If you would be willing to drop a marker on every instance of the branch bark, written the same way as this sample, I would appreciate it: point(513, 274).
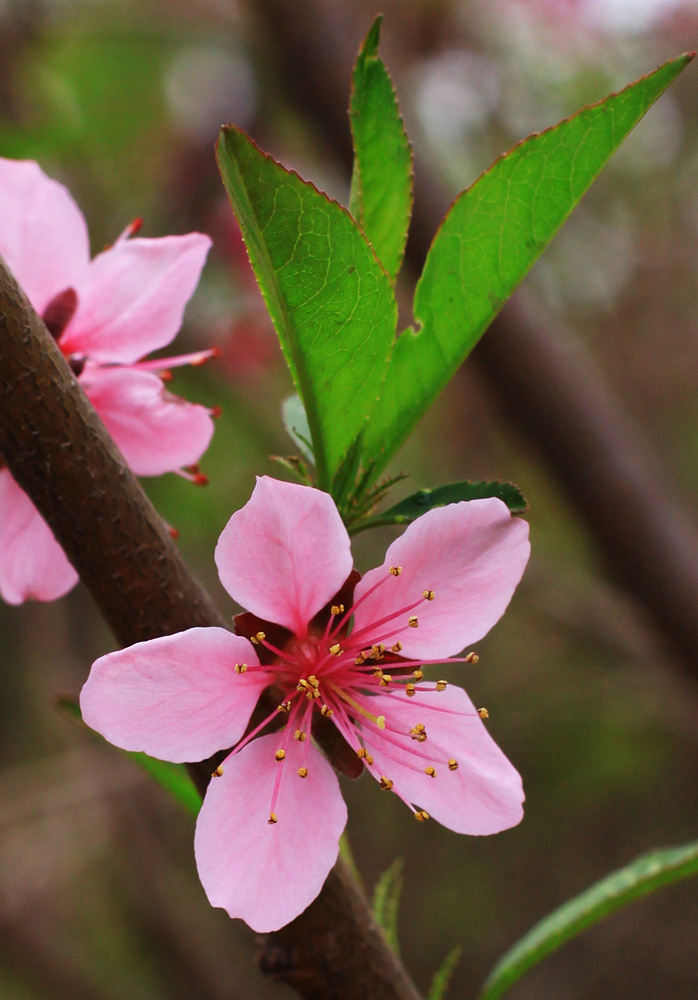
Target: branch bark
point(545, 379)
point(59, 452)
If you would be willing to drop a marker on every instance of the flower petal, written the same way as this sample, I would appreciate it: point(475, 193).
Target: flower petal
point(155, 431)
point(484, 795)
point(43, 236)
point(32, 563)
point(471, 554)
point(131, 300)
point(178, 697)
point(267, 873)
point(285, 554)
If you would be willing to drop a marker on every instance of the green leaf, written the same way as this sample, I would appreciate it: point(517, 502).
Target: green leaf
point(491, 236)
point(381, 183)
point(386, 900)
point(296, 424)
point(172, 777)
point(330, 299)
point(641, 877)
point(419, 503)
point(442, 977)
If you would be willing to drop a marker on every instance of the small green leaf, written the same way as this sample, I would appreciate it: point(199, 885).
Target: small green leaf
point(330, 299)
point(296, 424)
point(442, 977)
point(489, 239)
point(419, 503)
point(641, 877)
point(381, 183)
point(386, 900)
point(172, 777)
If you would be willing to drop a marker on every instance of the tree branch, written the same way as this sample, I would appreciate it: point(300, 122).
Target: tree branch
point(59, 452)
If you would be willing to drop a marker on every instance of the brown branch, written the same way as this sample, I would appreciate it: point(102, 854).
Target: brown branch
point(558, 400)
point(59, 452)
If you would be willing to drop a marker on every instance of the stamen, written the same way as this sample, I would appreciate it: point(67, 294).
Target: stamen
point(240, 668)
point(428, 595)
point(472, 658)
point(421, 816)
point(272, 819)
point(257, 638)
point(418, 675)
point(302, 772)
point(418, 732)
point(161, 365)
point(431, 771)
point(336, 609)
point(385, 783)
point(218, 773)
point(285, 706)
point(326, 711)
point(441, 685)
point(396, 570)
point(483, 713)
point(280, 755)
point(378, 719)
point(336, 650)
point(453, 764)
point(396, 647)
point(300, 735)
point(410, 690)
point(413, 621)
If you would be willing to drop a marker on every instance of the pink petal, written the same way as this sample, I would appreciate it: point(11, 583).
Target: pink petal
point(264, 873)
point(32, 563)
point(155, 431)
point(285, 554)
point(484, 795)
point(43, 235)
point(131, 300)
point(178, 697)
point(471, 554)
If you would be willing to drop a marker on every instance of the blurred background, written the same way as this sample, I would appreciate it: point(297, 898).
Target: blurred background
point(588, 692)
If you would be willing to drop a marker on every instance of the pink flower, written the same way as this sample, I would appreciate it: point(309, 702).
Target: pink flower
point(268, 831)
point(105, 314)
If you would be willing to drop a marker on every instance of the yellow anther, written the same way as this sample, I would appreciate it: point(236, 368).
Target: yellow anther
point(385, 680)
point(369, 759)
point(362, 753)
point(377, 652)
point(410, 690)
point(336, 650)
point(302, 685)
point(483, 713)
point(272, 819)
point(313, 694)
point(300, 735)
point(336, 609)
point(421, 816)
point(280, 754)
point(326, 711)
point(453, 764)
point(431, 771)
point(218, 773)
point(418, 675)
point(240, 668)
point(386, 783)
point(472, 658)
point(313, 681)
point(360, 660)
point(418, 732)
point(396, 647)
point(302, 772)
point(285, 706)
point(380, 721)
point(428, 595)
point(441, 685)
point(259, 637)
point(396, 570)
point(377, 671)
point(413, 621)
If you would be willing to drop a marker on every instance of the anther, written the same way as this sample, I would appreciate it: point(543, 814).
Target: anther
point(453, 765)
point(428, 595)
point(377, 672)
point(259, 637)
point(385, 680)
point(418, 732)
point(413, 621)
point(377, 652)
point(396, 570)
point(418, 675)
point(336, 650)
point(285, 706)
point(431, 771)
point(336, 609)
point(302, 772)
point(302, 685)
point(421, 816)
point(410, 690)
point(483, 713)
point(326, 711)
point(396, 647)
point(472, 658)
point(362, 753)
point(360, 660)
point(299, 735)
point(313, 681)
point(280, 754)
point(218, 773)
point(441, 685)
point(386, 783)
point(272, 819)
point(240, 668)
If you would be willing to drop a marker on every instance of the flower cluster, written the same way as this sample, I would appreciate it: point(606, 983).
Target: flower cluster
point(332, 647)
point(106, 314)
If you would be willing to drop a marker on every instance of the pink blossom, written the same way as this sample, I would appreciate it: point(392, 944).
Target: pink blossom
point(106, 314)
point(268, 831)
